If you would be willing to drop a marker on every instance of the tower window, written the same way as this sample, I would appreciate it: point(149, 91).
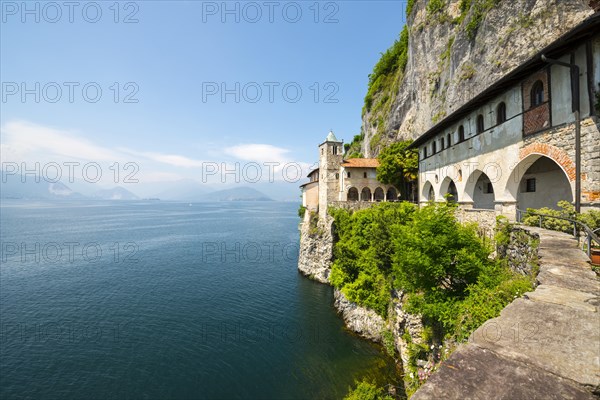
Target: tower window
point(334, 150)
point(449, 140)
point(337, 176)
point(537, 94)
point(433, 147)
point(501, 113)
point(348, 174)
point(461, 133)
point(365, 174)
point(442, 147)
point(425, 152)
point(480, 124)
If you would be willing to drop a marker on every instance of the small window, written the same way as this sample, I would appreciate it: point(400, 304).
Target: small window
point(489, 188)
point(348, 174)
point(461, 133)
point(537, 94)
point(433, 147)
point(334, 150)
point(448, 140)
point(530, 185)
point(321, 151)
point(442, 144)
point(480, 124)
point(425, 152)
point(337, 176)
point(501, 113)
point(364, 174)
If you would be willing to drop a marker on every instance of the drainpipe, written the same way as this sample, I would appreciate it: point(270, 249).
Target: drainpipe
point(575, 106)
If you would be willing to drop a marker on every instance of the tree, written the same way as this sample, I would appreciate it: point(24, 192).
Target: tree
point(399, 166)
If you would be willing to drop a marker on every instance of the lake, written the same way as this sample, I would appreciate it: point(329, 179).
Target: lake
point(156, 300)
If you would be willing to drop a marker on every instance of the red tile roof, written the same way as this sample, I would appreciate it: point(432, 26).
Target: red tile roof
point(361, 163)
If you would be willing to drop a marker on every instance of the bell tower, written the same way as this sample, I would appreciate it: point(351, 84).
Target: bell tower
point(330, 160)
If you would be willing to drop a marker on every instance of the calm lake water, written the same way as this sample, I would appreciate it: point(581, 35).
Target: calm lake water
point(155, 300)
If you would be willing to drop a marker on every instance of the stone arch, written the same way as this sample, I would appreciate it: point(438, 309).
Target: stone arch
point(365, 194)
point(554, 153)
point(428, 192)
point(352, 194)
point(378, 194)
point(449, 187)
point(539, 181)
point(391, 194)
point(480, 189)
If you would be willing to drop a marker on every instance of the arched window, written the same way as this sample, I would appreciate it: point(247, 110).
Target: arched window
point(501, 113)
point(448, 140)
point(480, 124)
point(461, 133)
point(537, 94)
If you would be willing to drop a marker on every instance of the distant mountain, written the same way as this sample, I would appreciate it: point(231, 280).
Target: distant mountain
point(116, 193)
point(30, 187)
point(237, 194)
point(182, 190)
point(15, 186)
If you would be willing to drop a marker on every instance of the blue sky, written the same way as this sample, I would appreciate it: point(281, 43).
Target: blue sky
point(175, 61)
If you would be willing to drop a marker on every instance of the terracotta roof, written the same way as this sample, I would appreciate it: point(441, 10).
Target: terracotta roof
point(361, 163)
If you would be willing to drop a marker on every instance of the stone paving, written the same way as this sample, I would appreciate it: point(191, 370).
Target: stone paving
point(545, 345)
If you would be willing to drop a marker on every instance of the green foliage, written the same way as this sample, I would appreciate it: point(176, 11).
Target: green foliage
point(409, 7)
point(367, 391)
point(363, 255)
point(388, 342)
point(591, 217)
point(567, 210)
point(353, 148)
point(398, 165)
point(392, 61)
point(435, 6)
point(443, 267)
point(436, 256)
point(503, 229)
point(498, 287)
point(301, 211)
point(480, 9)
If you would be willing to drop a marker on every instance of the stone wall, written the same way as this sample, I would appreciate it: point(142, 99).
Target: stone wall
point(521, 251)
point(485, 220)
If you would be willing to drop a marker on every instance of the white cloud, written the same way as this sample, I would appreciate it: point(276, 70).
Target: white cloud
point(258, 152)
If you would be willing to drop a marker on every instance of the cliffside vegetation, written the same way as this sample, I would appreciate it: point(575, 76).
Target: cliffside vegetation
point(443, 268)
point(399, 166)
point(389, 72)
point(591, 218)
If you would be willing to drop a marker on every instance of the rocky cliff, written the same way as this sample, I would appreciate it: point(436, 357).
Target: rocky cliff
point(454, 50)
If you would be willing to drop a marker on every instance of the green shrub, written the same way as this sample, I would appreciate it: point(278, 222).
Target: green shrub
point(367, 391)
point(388, 342)
point(301, 211)
point(567, 210)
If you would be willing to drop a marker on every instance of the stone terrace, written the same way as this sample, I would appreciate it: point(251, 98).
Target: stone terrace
point(543, 346)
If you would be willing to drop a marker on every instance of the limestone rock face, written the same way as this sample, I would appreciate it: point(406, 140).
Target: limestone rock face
point(366, 322)
point(316, 247)
point(405, 322)
point(447, 65)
